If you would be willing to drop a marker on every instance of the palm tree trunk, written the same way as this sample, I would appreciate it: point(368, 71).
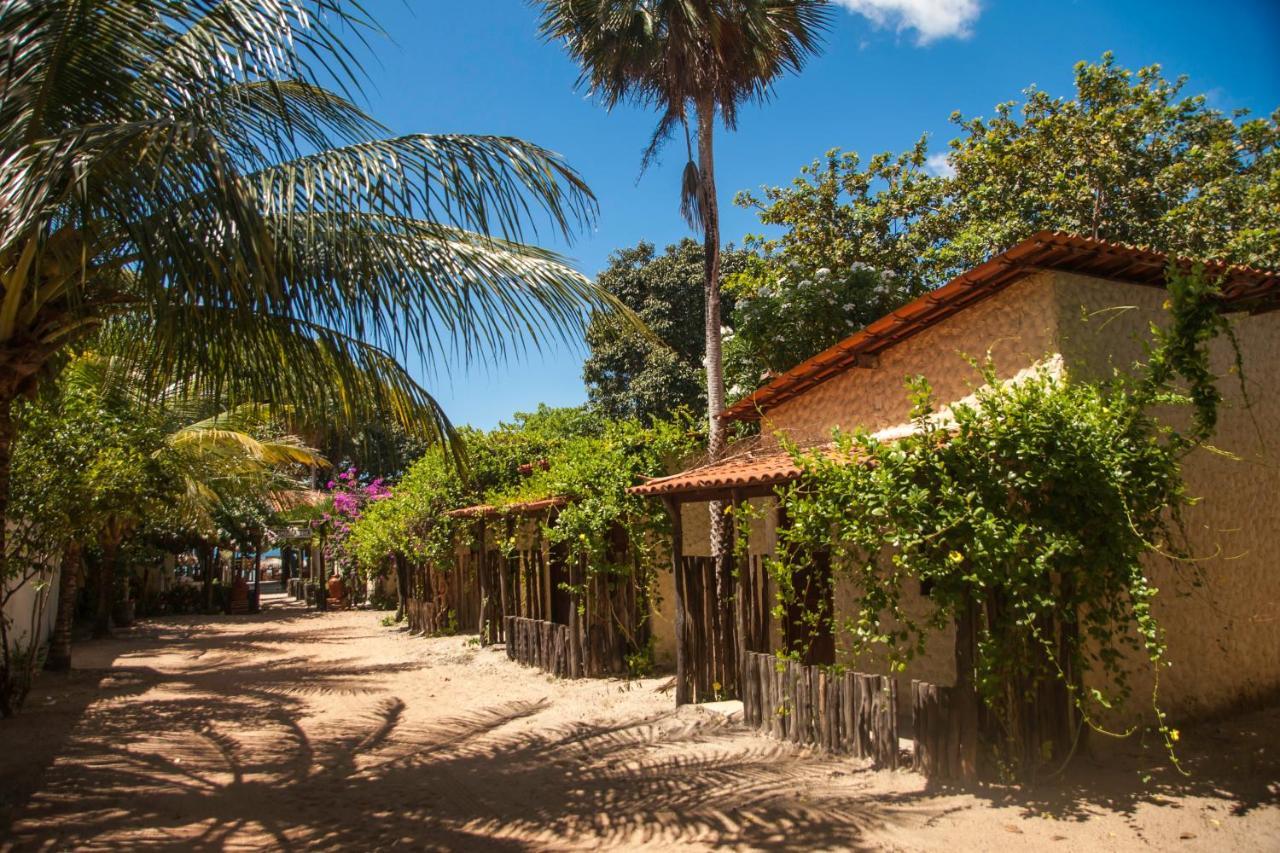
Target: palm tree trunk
point(711, 280)
point(724, 641)
point(59, 659)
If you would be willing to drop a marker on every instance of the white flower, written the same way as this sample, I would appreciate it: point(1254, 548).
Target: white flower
point(736, 390)
point(890, 274)
point(848, 306)
point(822, 273)
point(859, 266)
point(806, 283)
point(726, 331)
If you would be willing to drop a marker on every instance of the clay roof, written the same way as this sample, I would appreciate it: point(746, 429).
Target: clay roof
point(489, 510)
point(1244, 289)
point(750, 472)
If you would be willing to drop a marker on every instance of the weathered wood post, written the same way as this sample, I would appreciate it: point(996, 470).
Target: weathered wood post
point(482, 578)
point(966, 692)
point(677, 566)
point(504, 572)
point(739, 572)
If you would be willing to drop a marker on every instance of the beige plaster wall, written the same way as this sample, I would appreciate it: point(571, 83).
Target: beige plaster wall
point(1016, 328)
point(936, 665)
point(663, 615)
point(1221, 613)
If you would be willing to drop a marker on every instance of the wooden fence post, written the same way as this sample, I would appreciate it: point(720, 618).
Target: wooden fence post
point(966, 692)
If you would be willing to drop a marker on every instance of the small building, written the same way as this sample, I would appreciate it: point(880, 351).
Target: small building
point(1053, 302)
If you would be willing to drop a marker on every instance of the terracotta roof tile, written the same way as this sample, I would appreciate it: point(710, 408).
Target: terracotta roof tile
point(1244, 289)
point(754, 468)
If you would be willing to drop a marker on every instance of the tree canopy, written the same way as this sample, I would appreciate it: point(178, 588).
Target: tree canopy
point(631, 374)
point(1130, 157)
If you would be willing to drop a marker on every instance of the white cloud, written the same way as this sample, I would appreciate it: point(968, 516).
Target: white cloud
point(931, 19)
point(940, 165)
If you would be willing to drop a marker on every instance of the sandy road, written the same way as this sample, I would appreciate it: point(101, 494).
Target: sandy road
point(297, 730)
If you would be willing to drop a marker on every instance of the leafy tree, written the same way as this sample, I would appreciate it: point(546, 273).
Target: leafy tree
point(411, 521)
point(1129, 158)
point(782, 316)
point(631, 374)
point(495, 458)
point(194, 177)
point(100, 462)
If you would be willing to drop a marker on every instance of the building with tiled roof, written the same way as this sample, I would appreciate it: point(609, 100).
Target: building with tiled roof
point(1054, 302)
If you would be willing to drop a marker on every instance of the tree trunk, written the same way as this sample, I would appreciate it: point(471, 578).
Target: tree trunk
point(722, 629)
point(711, 279)
point(106, 586)
point(7, 432)
point(206, 580)
point(257, 576)
point(401, 566)
point(7, 664)
point(59, 659)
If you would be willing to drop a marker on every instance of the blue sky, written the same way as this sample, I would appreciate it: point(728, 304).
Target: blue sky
point(891, 70)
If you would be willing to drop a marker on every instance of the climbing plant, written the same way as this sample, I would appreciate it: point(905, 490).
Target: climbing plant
point(594, 473)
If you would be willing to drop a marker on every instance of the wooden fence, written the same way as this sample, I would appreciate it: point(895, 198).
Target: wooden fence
point(710, 676)
point(546, 645)
point(848, 713)
point(945, 733)
point(444, 599)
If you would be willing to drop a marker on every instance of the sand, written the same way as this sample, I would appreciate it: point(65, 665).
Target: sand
point(295, 730)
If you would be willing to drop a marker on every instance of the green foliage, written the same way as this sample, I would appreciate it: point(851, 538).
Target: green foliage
point(1129, 158)
point(1037, 504)
point(784, 313)
point(196, 176)
point(494, 458)
point(87, 458)
point(594, 473)
point(631, 374)
point(412, 520)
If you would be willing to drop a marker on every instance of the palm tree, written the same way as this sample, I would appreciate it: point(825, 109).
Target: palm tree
point(177, 174)
point(699, 59)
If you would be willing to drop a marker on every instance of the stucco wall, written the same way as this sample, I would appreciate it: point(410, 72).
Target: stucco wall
point(1016, 328)
point(663, 615)
point(32, 609)
point(1221, 613)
